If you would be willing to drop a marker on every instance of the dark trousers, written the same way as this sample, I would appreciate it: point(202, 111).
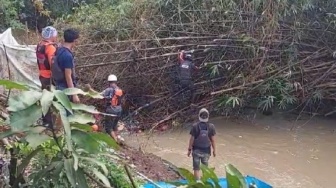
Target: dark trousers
point(46, 83)
point(188, 85)
point(111, 122)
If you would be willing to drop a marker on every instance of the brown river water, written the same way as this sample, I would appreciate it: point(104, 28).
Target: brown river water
point(265, 148)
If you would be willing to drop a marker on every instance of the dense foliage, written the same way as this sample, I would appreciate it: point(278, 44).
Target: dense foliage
point(68, 155)
point(260, 54)
point(37, 14)
point(264, 54)
point(210, 180)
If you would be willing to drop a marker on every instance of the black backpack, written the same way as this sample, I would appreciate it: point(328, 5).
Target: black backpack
point(57, 73)
point(199, 128)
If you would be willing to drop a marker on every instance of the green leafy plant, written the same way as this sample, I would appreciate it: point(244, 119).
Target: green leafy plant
point(69, 144)
point(278, 92)
point(229, 105)
point(105, 18)
point(234, 178)
point(210, 180)
point(9, 13)
point(119, 177)
point(230, 102)
point(234, 102)
point(267, 103)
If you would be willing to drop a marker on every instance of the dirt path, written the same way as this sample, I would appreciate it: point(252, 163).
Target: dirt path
point(150, 165)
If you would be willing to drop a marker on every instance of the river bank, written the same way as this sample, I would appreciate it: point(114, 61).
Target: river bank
point(266, 148)
point(148, 165)
point(279, 149)
point(152, 166)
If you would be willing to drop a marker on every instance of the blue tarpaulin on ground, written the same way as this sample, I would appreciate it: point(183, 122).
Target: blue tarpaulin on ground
point(222, 182)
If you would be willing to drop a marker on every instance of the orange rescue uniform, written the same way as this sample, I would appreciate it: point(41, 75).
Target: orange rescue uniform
point(45, 52)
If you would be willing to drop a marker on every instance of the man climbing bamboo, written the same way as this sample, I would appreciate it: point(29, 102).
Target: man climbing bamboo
point(45, 52)
point(186, 66)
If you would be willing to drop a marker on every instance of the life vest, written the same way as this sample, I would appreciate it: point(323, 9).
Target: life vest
point(42, 59)
point(117, 97)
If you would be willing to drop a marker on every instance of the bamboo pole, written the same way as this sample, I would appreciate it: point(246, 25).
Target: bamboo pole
point(146, 40)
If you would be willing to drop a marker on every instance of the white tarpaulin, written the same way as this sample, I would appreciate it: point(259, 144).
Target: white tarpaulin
point(17, 62)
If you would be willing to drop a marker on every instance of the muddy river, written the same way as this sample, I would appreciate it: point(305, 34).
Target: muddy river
point(266, 148)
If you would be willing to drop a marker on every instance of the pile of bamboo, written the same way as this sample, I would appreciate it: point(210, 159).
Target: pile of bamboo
point(238, 59)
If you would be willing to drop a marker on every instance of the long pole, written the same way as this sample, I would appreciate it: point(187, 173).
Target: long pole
point(130, 176)
point(9, 72)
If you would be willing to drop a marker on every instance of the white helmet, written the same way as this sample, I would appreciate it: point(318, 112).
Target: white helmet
point(49, 32)
point(112, 78)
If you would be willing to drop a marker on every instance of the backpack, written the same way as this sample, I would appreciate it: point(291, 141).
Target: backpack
point(56, 71)
point(199, 129)
point(117, 97)
point(42, 60)
point(202, 140)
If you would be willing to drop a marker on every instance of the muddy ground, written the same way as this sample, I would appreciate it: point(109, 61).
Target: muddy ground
point(150, 165)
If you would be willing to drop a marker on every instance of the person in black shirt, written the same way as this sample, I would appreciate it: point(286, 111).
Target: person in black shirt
point(186, 67)
point(201, 141)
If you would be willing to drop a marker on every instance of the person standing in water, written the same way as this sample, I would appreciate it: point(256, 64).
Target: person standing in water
point(202, 139)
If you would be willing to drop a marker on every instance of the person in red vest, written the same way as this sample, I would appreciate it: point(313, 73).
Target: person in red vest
point(45, 52)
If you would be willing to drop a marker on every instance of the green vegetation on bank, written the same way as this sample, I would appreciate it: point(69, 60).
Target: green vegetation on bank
point(279, 52)
point(70, 154)
point(275, 54)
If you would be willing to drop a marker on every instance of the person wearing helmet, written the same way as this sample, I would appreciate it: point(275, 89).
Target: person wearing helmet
point(45, 52)
point(114, 95)
point(186, 67)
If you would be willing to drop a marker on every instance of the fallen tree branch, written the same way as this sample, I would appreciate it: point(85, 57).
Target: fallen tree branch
point(130, 176)
point(149, 180)
point(145, 49)
point(236, 87)
point(131, 60)
point(154, 39)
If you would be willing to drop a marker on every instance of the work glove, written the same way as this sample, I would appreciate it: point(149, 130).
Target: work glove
point(87, 87)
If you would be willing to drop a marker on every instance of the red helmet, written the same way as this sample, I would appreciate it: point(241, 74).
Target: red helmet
point(185, 56)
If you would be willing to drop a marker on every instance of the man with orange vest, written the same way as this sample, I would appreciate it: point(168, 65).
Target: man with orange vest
point(45, 52)
point(114, 96)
